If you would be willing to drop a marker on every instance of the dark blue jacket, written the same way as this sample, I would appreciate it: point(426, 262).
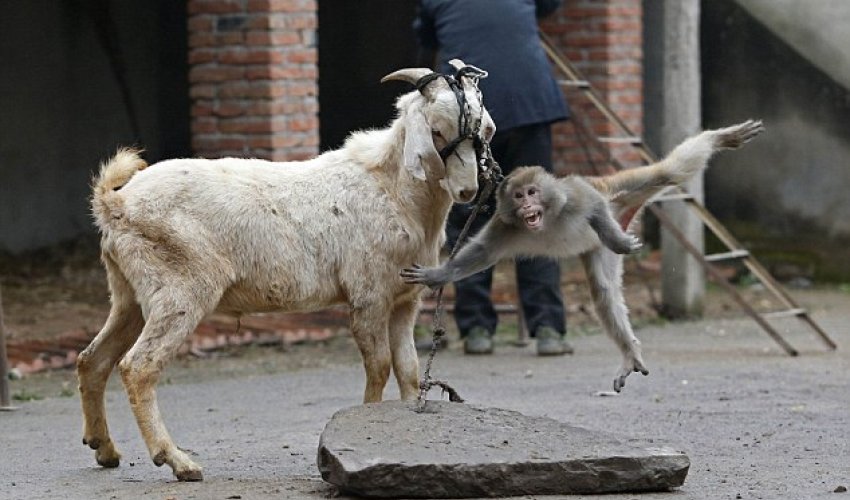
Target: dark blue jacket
point(500, 37)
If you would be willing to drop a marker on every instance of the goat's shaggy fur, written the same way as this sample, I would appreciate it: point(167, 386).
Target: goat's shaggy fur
point(183, 238)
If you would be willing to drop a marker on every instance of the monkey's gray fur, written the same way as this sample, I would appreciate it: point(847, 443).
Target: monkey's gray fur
point(540, 215)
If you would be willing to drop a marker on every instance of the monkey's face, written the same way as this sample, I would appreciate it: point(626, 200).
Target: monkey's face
point(528, 206)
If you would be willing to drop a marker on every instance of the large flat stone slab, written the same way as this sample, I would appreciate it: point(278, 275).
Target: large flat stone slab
point(457, 450)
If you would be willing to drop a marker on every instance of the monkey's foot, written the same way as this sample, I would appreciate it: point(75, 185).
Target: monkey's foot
point(737, 135)
point(632, 362)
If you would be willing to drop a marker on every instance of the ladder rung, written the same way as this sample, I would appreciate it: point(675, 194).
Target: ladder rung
point(675, 196)
point(734, 254)
point(784, 314)
point(637, 141)
point(581, 84)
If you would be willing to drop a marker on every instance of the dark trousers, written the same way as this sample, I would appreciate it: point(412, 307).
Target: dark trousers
point(538, 278)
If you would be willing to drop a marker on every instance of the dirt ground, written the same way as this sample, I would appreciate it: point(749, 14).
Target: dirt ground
point(756, 424)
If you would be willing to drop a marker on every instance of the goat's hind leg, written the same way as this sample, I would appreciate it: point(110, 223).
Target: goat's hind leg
point(173, 315)
point(95, 364)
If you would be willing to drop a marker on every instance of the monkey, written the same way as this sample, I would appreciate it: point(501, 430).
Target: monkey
point(538, 214)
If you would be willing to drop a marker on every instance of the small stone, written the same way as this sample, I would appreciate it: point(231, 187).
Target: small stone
point(839, 489)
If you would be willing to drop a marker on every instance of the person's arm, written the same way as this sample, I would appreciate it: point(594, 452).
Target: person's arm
point(426, 36)
point(546, 7)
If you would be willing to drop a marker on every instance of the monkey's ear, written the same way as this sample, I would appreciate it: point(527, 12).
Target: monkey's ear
point(419, 150)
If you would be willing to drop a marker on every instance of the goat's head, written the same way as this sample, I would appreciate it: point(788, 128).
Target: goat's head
point(442, 126)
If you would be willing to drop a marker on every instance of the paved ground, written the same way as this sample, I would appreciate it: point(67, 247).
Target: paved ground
point(755, 423)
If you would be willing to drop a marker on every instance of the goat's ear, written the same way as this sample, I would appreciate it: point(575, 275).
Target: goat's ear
point(488, 126)
point(419, 149)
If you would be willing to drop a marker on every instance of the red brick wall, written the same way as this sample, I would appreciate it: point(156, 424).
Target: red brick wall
point(603, 38)
point(254, 78)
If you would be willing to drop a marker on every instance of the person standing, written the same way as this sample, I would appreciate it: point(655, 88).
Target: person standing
point(523, 98)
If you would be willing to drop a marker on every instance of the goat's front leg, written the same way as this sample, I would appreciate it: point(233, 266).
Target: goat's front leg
point(169, 322)
point(369, 328)
point(403, 347)
point(604, 271)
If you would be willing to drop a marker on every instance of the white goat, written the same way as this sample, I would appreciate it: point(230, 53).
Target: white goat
point(183, 238)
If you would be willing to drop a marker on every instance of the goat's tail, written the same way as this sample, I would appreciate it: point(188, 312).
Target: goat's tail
point(630, 189)
point(107, 202)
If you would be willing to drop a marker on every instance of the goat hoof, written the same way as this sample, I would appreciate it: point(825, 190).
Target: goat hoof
point(159, 458)
point(190, 475)
point(93, 443)
point(108, 462)
point(107, 456)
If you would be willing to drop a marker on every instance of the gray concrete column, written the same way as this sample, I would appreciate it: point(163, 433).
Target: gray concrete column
point(683, 280)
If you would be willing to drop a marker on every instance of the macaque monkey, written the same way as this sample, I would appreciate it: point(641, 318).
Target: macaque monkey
point(538, 214)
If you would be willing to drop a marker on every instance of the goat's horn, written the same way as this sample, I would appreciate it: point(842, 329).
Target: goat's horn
point(409, 75)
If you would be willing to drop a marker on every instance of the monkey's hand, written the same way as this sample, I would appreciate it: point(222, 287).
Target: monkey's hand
point(632, 362)
point(433, 277)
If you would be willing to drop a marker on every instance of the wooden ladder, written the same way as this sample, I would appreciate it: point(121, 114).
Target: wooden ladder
point(736, 251)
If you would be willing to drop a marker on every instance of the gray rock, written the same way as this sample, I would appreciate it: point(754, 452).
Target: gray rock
point(458, 450)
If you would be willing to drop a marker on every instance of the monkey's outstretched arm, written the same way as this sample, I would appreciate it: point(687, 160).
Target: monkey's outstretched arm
point(482, 251)
point(610, 233)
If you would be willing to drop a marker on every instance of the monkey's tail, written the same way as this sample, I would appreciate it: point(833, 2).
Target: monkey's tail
point(106, 201)
point(630, 189)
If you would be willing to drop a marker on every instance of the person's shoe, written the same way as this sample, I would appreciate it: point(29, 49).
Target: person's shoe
point(551, 343)
point(478, 341)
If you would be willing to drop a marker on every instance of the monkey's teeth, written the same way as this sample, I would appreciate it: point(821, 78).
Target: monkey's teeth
point(533, 220)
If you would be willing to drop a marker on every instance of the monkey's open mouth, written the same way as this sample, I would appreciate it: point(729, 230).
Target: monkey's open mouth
point(534, 221)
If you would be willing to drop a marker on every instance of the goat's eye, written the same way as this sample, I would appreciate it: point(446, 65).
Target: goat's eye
point(436, 133)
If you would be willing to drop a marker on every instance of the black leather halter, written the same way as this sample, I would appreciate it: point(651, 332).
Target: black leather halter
point(468, 127)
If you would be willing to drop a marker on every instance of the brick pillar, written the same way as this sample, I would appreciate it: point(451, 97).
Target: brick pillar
point(603, 38)
point(254, 78)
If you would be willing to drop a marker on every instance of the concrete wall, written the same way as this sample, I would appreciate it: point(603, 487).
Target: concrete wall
point(63, 110)
point(786, 193)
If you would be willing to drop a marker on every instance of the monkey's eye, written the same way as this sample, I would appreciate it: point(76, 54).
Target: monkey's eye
point(532, 191)
point(518, 195)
